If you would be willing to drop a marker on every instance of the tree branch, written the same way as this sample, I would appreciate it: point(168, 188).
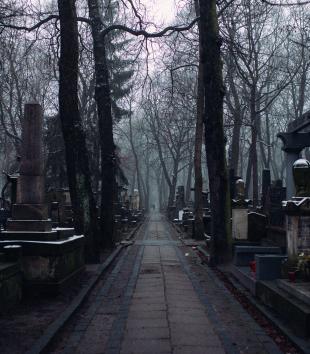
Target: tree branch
point(298, 3)
point(149, 34)
point(40, 23)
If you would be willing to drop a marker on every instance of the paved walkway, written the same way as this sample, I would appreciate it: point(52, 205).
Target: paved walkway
point(155, 302)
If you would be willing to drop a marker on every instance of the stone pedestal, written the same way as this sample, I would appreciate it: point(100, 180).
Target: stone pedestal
point(50, 266)
point(50, 257)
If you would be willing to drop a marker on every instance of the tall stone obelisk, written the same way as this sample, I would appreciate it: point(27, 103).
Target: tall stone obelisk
point(30, 213)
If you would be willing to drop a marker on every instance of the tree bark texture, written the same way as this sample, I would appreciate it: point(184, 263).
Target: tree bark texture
point(214, 132)
point(198, 206)
point(103, 100)
point(83, 202)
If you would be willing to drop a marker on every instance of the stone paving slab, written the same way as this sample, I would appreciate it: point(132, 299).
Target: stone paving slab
point(165, 313)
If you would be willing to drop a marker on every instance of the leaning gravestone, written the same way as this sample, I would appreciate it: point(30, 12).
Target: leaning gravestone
point(50, 257)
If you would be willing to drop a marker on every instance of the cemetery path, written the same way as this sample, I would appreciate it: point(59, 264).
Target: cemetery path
point(159, 300)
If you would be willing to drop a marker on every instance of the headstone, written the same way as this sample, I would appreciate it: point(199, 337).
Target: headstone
point(256, 226)
point(180, 198)
point(265, 187)
point(232, 183)
point(205, 199)
point(298, 212)
point(275, 196)
point(240, 213)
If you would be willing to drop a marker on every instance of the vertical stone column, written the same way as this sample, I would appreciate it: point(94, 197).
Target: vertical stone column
point(31, 181)
point(30, 213)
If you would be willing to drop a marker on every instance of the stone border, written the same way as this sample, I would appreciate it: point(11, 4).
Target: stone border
point(52, 330)
point(301, 344)
point(119, 325)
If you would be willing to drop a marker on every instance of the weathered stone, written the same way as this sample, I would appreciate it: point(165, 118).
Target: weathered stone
point(51, 258)
point(268, 266)
point(30, 211)
point(29, 225)
point(240, 224)
point(256, 226)
point(245, 254)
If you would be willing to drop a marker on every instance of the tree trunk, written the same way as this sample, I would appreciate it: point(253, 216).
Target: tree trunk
point(139, 178)
point(103, 100)
point(214, 132)
point(249, 173)
point(189, 181)
point(237, 116)
point(254, 144)
point(198, 206)
point(78, 171)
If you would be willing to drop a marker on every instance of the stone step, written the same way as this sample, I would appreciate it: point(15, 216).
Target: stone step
point(245, 277)
point(293, 311)
point(300, 290)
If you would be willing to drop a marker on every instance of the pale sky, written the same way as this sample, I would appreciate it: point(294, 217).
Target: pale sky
point(160, 10)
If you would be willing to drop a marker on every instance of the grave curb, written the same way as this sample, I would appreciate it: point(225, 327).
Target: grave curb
point(301, 344)
point(51, 331)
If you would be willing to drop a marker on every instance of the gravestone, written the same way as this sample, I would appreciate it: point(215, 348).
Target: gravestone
point(180, 198)
point(297, 210)
point(51, 258)
point(240, 213)
point(276, 195)
point(205, 200)
point(232, 183)
point(257, 223)
point(266, 182)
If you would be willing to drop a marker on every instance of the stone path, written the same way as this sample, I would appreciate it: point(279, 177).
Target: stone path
point(154, 303)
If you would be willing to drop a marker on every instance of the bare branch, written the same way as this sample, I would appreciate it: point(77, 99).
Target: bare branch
point(146, 34)
point(40, 23)
point(298, 3)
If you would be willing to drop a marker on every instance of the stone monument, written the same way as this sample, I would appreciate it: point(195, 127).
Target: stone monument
point(240, 212)
point(297, 211)
point(50, 257)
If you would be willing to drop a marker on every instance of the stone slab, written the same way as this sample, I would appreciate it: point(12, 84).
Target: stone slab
point(46, 248)
point(301, 290)
point(268, 266)
point(30, 211)
point(31, 235)
point(240, 224)
point(246, 278)
point(243, 255)
point(294, 312)
point(29, 225)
